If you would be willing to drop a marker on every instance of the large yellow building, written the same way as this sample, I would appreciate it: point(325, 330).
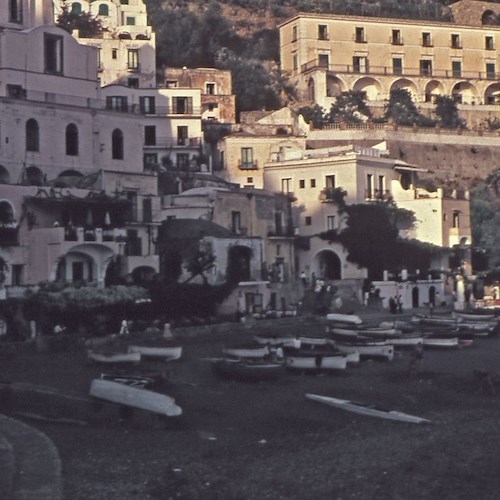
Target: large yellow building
point(326, 54)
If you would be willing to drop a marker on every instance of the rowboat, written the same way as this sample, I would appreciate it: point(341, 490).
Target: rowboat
point(136, 398)
point(246, 352)
point(404, 326)
point(344, 318)
point(369, 410)
point(247, 371)
point(139, 381)
point(406, 340)
point(274, 340)
point(440, 342)
point(318, 362)
point(344, 333)
point(379, 332)
point(168, 353)
point(315, 341)
point(367, 350)
point(474, 317)
point(111, 357)
point(435, 320)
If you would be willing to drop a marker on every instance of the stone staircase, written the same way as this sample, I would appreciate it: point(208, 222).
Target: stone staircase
point(30, 467)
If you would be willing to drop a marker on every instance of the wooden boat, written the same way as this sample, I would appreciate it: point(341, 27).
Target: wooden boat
point(344, 333)
point(112, 357)
point(403, 326)
point(139, 381)
point(435, 320)
point(315, 341)
point(440, 342)
point(407, 340)
point(378, 332)
point(329, 348)
point(369, 410)
point(344, 318)
point(169, 353)
point(247, 371)
point(317, 362)
point(367, 350)
point(474, 317)
point(246, 352)
point(136, 398)
point(274, 340)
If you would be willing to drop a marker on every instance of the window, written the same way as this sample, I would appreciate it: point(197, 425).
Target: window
point(77, 269)
point(114, 53)
point(117, 103)
point(455, 41)
point(369, 186)
point(426, 40)
point(133, 83)
point(360, 35)
point(182, 105)
point(294, 33)
point(489, 43)
point(124, 2)
point(32, 135)
point(308, 220)
point(302, 183)
point(322, 32)
point(397, 65)
point(16, 91)
point(53, 49)
point(72, 140)
point(147, 105)
point(396, 38)
point(182, 161)
point(149, 135)
point(133, 59)
point(210, 88)
point(15, 11)
point(295, 62)
point(150, 161)
point(456, 68)
point(360, 64)
point(490, 71)
point(323, 60)
point(236, 222)
point(76, 8)
point(103, 10)
point(17, 274)
point(182, 135)
point(171, 84)
point(130, 21)
point(117, 144)
point(456, 219)
point(286, 185)
point(249, 180)
point(425, 67)
point(147, 210)
point(330, 222)
point(313, 183)
point(330, 182)
point(246, 157)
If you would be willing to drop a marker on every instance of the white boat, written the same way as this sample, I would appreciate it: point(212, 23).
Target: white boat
point(169, 353)
point(378, 332)
point(370, 349)
point(406, 340)
point(441, 342)
point(144, 399)
point(474, 318)
point(344, 318)
point(315, 341)
point(274, 340)
point(369, 410)
point(344, 332)
point(435, 320)
point(111, 357)
point(246, 352)
point(316, 363)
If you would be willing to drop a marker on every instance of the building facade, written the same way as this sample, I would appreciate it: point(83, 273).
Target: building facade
point(329, 54)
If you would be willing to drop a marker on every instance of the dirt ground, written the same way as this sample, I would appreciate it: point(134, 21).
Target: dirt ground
point(267, 441)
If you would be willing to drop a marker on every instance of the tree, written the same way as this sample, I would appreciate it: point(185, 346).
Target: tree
point(87, 25)
point(313, 114)
point(350, 107)
point(402, 110)
point(447, 112)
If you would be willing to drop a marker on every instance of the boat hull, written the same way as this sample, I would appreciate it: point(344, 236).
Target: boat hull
point(247, 353)
point(247, 371)
point(169, 353)
point(316, 363)
point(114, 357)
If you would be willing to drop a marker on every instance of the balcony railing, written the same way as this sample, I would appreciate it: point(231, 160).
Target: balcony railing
point(248, 164)
point(172, 142)
point(377, 194)
point(390, 70)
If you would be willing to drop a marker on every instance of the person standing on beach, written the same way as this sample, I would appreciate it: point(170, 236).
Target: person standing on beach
point(416, 360)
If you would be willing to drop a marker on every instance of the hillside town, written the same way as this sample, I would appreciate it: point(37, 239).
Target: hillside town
point(138, 201)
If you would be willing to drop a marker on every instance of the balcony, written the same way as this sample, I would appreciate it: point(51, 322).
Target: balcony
point(8, 235)
point(248, 164)
point(377, 194)
point(175, 142)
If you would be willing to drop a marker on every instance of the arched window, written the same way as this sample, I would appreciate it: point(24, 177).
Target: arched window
point(72, 140)
point(32, 135)
point(103, 10)
point(76, 8)
point(117, 144)
point(6, 212)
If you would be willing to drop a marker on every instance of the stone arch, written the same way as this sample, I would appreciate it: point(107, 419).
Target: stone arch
point(492, 94)
point(415, 297)
point(404, 83)
point(370, 86)
point(143, 274)
point(311, 90)
point(4, 175)
point(7, 214)
point(124, 35)
point(103, 10)
point(34, 176)
point(70, 173)
point(238, 263)
point(465, 93)
point(490, 17)
point(76, 8)
point(433, 89)
point(432, 295)
point(327, 265)
point(334, 86)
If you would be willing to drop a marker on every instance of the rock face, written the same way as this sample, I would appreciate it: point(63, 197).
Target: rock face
point(475, 12)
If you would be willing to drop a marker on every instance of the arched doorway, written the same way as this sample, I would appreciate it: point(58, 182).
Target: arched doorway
point(415, 297)
point(465, 93)
point(34, 176)
point(311, 92)
point(433, 89)
point(143, 275)
point(406, 84)
point(432, 296)
point(492, 94)
point(334, 86)
point(370, 86)
point(328, 265)
point(238, 267)
point(4, 175)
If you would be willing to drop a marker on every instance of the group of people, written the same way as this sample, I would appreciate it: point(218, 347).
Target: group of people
point(395, 305)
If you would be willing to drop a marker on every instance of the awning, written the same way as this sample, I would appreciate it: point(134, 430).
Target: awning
point(411, 168)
